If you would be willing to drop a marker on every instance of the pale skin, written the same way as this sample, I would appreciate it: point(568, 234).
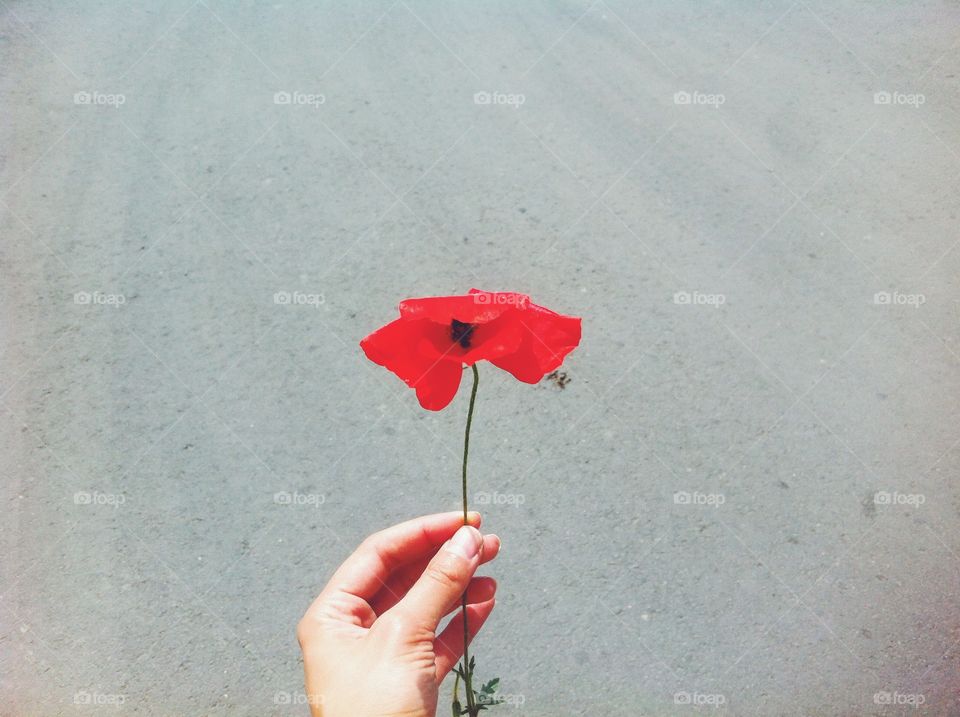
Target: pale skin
point(370, 643)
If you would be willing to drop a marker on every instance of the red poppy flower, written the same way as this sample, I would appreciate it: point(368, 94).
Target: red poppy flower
point(436, 336)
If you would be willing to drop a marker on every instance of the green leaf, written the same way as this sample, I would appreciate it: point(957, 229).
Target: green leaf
point(491, 686)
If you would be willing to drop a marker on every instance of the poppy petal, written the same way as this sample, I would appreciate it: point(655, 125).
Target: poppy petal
point(437, 387)
point(486, 341)
point(397, 347)
point(547, 338)
point(477, 308)
point(434, 337)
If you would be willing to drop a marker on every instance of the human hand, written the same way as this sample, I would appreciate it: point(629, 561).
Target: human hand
point(369, 641)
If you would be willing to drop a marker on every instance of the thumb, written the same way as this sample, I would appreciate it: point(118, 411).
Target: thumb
point(444, 579)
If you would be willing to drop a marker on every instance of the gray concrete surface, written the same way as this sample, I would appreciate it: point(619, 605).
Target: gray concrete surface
point(725, 254)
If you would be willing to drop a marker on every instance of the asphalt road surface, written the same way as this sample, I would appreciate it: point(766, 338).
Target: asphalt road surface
point(742, 501)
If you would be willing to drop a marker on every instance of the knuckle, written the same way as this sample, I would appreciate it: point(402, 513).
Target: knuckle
point(304, 630)
point(309, 629)
point(393, 624)
point(368, 543)
point(377, 546)
point(447, 571)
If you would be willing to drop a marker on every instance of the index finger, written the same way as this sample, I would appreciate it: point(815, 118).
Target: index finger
point(369, 567)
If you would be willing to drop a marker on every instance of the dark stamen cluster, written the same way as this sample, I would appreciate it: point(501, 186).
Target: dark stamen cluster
point(461, 332)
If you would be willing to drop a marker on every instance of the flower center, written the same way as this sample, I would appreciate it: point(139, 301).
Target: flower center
point(461, 332)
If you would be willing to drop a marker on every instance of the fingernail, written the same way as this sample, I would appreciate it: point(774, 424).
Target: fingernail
point(466, 542)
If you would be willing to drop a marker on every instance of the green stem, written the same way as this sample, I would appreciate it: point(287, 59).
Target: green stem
point(466, 437)
point(456, 695)
point(468, 674)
